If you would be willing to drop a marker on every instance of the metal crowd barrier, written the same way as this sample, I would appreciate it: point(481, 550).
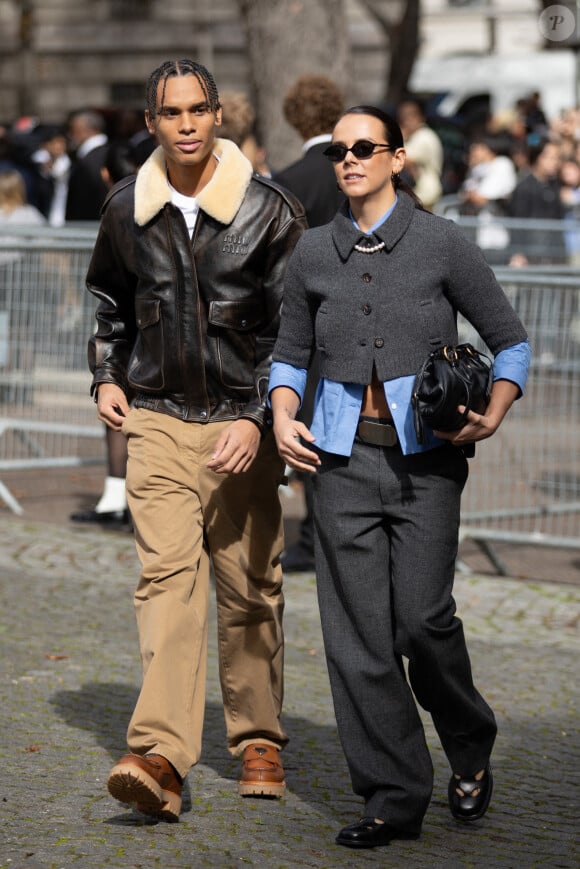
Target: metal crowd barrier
point(524, 482)
point(502, 238)
point(46, 416)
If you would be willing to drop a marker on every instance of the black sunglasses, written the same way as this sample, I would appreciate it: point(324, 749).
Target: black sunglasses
point(362, 150)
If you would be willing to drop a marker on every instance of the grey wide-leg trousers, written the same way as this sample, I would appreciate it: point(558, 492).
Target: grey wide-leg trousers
point(386, 543)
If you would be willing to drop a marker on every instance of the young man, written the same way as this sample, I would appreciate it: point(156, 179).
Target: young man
point(188, 268)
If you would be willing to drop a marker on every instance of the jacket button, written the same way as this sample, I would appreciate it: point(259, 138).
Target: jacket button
point(366, 309)
point(203, 414)
point(379, 342)
point(367, 278)
point(244, 322)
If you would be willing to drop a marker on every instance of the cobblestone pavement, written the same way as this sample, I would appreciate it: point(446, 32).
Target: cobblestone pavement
point(69, 677)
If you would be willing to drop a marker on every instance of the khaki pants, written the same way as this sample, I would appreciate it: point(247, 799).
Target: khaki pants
point(184, 515)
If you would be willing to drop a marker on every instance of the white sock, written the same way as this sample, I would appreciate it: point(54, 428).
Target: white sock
point(113, 497)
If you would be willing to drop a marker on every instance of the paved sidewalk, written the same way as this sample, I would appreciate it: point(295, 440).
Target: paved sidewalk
point(69, 678)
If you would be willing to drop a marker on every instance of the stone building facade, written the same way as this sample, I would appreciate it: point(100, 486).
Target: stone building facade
point(59, 55)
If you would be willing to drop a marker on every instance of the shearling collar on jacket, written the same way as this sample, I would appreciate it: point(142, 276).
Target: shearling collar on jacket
point(220, 198)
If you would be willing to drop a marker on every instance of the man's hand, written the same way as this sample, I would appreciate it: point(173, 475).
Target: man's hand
point(236, 448)
point(112, 405)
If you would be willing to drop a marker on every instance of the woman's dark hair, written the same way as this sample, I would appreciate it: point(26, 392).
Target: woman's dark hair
point(393, 136)
point(173, 68)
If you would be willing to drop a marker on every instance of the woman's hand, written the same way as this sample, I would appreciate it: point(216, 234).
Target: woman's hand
point(288, 433)
point(482, 425)
point(478, 427)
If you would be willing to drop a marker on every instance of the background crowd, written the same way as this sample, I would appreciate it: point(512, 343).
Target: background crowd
point(514, 164)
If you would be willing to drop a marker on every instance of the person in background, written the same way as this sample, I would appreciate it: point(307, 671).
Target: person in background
point(376, 290)
point(312, 107)
point(491, 177)
point(15, 211)
point(488, 185)
point(239, 125)
point(534, 115)
point(54, 165)
point(570, 197)
point(188, 270)
point(14, 207)
point(86, 188)
point(17, 145)
point(424, 163)
point(123, 158)
point(538, 196)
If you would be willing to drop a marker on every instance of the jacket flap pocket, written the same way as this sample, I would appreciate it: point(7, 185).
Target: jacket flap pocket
point(242, 315)
point(147, 312)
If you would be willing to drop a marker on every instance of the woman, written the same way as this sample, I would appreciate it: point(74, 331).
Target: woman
point(14, 207)
point(374, 292)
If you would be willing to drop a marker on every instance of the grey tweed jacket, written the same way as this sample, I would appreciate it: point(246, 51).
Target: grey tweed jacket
point(391, 308)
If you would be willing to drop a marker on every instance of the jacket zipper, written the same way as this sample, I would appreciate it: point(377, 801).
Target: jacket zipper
point(181, 299)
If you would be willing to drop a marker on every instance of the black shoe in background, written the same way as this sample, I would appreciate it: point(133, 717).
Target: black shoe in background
point(110, 519)
point(297, 559)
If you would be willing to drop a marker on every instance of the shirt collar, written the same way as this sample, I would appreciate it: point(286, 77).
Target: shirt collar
point(379, 222)
point(345, 234)
point(316, 140)
point(90, 144)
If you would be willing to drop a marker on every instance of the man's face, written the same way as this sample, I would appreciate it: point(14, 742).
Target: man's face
point(184, 124)
point(479, 153)
point(78, 132)
point(548, 163)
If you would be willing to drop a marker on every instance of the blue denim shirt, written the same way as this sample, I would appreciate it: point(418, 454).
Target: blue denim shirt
point(337, 406)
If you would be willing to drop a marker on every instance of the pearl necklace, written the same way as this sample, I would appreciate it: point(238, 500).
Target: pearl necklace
point(369, 248)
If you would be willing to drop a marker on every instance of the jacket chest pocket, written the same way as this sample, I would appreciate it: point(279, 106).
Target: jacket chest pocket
point(146, 368)
point(232, 325)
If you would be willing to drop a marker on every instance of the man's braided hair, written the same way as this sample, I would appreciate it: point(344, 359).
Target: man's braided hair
point(172, 68)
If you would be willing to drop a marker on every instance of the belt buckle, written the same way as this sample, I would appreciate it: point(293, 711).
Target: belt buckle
point(379, 434)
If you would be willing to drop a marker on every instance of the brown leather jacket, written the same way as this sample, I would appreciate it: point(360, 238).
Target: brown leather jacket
point(187, 327)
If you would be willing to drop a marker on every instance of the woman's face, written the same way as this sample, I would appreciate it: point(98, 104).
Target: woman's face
point(370, 177)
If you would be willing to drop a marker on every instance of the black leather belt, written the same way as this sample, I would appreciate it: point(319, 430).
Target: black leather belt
point(377, 432)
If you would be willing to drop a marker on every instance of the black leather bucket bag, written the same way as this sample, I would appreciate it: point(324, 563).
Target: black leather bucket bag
point(450, 376)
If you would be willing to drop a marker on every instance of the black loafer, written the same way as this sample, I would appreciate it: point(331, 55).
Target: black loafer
point(470, 806)
point(110, 518)
point(367, 833)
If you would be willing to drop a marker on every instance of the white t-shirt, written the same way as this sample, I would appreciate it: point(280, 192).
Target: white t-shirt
point(188, 207)
point(494, 180)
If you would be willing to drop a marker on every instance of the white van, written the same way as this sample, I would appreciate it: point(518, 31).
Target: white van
point(505, 79)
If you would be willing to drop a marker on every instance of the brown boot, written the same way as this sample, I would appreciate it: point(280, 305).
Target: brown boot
point(262, 772)
point(150, 782)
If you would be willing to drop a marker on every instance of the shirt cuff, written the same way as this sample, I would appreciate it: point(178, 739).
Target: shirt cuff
point(283, 374)
point(513, 364)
